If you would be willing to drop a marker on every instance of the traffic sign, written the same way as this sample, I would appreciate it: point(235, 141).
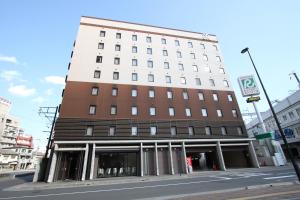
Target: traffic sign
point(248, 85)
point(252, 99)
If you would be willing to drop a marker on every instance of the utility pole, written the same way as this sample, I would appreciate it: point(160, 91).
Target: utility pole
point(296, 77)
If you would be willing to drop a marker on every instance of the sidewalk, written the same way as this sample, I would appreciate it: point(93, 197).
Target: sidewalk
point(134, 179)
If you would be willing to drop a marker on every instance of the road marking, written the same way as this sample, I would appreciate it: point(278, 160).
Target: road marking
point(276, 177)
point(267, 195)
point(109, 190)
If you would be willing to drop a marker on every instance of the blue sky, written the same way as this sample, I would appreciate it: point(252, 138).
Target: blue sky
point(36, 39)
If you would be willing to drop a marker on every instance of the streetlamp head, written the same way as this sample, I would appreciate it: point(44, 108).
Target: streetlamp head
point(245, 50)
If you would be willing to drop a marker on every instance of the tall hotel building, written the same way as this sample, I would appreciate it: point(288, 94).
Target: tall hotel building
point(143, 100)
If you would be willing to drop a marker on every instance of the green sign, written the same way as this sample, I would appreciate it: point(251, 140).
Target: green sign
point(264, 136)
point(252, 99)
point(248, 85)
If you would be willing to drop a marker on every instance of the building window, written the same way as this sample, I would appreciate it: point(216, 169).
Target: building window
point(298, 112)
point(116, 75)
point(207, 130)
point(195, 68)
point(200, 96)
point(101, 46)
point(191, 130)
point(153, 130)
point(134, 77)
point(207, 69)
point(99, 59)
point(118, 47)
point(221, 70)
point(152, 111)
point(202, 46)
point(134, 49)
point(218, 58)
point(234, 113)
point(188, 112)
point(179, 54)
point(204, 112)
point(134, 110)
point(150, 78)
point(211, 82)
point(134, 130)
point(134, 62)
point(117, 61)
point(223, 130)
point(89, 130)
point(193, 56)
point(102, 33)
point(284, 117)
point(171, 112)
point(198, 81)
point(190, 44)
point(168, 79)
point(182, 80)
point(219, 113)
point(291, 114)
point(97, 74)
point(149, 51)
point(165, 53)
point(239, 131)
point(118, 35)
point(114, 92)
point(185, 95)
point(225, 83)
point(148, 39)
point(170, 94)
point(112, 131)
point(150, 63)
point(134, 37)
point(205, 58)
point(163, 41)
point(166, 65)
point(180, 67)
point(173, 130)
point(215, 47)
point(113, 110)
point(151, 94)
point(215, 97)
point(229, 97)
point(92, 110)
point(134, 93)
point(95, 91)
point(177, 43)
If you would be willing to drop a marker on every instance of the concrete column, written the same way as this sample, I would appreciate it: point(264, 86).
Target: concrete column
point(184, 164)
point(156, 160)
point(220, 157)
point(85, 162)
point(171, 165)
point(92, 162)
point(53, 165)
point(253, 155)
point(142, 159)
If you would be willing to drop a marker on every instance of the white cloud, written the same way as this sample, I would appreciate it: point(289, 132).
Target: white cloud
point(49, 92)
point(11, 59)
point(21, 90)
point(10, 75)
point(55, 80)
point(39, 100)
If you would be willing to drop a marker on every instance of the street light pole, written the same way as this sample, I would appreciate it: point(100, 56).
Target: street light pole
point(296, 167)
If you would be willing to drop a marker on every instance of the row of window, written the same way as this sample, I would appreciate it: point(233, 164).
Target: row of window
point(163, 40)
point(168, 79)
point(169, 94)
point(153, 130)
point(152, 111)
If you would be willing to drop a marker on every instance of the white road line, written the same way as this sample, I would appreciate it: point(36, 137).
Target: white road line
point(276, 177)
point(108, 190)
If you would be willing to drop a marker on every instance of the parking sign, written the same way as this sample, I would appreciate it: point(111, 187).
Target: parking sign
point(248, 85)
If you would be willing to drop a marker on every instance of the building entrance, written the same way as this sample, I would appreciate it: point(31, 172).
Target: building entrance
point(203, 160)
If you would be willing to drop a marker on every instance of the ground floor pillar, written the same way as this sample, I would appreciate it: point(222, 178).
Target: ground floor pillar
point(171, 165)
point(142, 159)
point(92, 162)
point(53, 165)
point(85, 162)
point(156, 160)
point(220, 157)
point(253, 155)
point(185, 169)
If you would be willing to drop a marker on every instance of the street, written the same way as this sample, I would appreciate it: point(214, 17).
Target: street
point(167, 187)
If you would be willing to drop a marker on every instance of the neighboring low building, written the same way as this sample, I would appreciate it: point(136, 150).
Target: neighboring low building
point(288, 113)
point(8, 159)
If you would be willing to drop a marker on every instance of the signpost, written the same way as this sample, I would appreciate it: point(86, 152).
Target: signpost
point(248, 86)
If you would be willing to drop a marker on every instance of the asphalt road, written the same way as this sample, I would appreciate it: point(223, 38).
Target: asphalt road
point(151, 189)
